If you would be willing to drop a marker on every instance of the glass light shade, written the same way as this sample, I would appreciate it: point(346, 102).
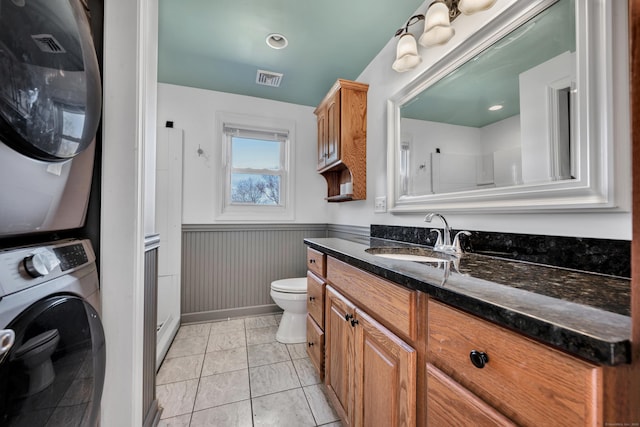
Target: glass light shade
point(406, 54)
point(437, 27)
point(469, 7)
point(437, 15)
point(437, 35)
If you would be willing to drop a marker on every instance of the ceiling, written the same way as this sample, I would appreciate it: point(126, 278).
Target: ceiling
point(220, 44)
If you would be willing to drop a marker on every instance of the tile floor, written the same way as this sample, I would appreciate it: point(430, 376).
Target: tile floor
point(235, 373)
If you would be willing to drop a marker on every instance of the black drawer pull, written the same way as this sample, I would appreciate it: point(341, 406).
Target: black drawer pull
point(310, 344)
point(478, 358)
point(354, 322)
point(312, 261)
point(348, 316)
point(312, 299)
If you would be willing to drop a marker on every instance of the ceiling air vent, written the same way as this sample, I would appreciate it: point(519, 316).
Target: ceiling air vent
point(268, 78)
point(47, 43)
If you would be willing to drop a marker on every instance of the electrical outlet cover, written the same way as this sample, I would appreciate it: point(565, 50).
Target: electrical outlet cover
point(380, 204)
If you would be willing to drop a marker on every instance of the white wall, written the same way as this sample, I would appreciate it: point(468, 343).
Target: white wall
point(194, 111)
point(130, 40)
point(383, 83)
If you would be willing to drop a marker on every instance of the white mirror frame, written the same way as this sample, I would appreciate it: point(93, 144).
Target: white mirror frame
point(603, 117)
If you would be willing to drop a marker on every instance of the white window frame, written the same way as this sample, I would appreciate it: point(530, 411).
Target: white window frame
point(252, 127)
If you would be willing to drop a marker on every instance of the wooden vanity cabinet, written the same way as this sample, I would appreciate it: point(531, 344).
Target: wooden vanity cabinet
point(370, 371)
point(519, 380)
point(342, 139)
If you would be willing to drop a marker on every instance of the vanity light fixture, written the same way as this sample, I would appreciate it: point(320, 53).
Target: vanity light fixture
point(437, 29)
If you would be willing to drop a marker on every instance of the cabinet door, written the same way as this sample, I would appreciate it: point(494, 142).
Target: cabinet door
point(322, 137)
point(339, 359)
point(448, 403)
point(315, 345)
point(385, 376)
point(333, 129)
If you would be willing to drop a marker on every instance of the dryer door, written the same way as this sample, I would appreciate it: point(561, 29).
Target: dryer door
point(50, 90)
point(53, 373)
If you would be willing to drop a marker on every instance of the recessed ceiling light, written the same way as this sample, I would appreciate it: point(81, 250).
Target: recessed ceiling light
point(277, 41)
point(496, 107)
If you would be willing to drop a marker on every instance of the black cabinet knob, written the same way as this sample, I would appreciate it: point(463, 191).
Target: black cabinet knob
point(478, 358)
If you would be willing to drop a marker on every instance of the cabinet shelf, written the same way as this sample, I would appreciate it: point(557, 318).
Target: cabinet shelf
point(340, 198)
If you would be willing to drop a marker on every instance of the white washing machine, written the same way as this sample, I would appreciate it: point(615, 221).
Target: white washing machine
point(52, 345)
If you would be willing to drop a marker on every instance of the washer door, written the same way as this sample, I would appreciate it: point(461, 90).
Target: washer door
point(53, 374)
point(50, 91)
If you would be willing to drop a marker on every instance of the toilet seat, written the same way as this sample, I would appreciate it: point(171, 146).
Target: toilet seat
point(297, 285)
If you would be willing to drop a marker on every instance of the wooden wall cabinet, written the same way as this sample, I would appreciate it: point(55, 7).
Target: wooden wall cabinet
point(342, 139)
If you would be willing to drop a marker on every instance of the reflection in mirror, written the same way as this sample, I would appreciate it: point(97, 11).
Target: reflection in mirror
point(504, 118)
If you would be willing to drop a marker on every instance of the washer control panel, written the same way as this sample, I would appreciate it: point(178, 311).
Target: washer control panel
point(21, 268)
point(71, 256)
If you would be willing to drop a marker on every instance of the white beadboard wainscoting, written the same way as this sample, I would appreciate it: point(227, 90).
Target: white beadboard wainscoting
point(227, 269)
point(151, 411)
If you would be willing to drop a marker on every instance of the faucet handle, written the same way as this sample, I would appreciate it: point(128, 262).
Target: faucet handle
point(456, 241)
point(439, 239)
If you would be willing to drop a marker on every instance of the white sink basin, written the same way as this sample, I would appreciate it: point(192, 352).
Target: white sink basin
point(410, 257)
point(408, 254)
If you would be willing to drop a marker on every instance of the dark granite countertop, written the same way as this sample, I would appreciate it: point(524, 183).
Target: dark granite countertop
point(584, 314)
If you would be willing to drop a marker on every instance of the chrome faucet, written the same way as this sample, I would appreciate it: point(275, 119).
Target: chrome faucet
point(443, 243)
point(444, 239)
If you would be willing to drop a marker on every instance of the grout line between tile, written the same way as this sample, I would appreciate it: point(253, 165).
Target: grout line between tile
point(199, 377)
point(246, 343)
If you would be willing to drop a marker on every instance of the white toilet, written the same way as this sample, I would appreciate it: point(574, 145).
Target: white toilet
point(291, 296)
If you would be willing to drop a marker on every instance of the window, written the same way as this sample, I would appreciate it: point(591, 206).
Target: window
point(256, 171)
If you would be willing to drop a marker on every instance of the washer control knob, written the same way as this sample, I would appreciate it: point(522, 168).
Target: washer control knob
point(36, 265)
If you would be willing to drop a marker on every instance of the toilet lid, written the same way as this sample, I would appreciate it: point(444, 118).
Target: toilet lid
point(297, 285)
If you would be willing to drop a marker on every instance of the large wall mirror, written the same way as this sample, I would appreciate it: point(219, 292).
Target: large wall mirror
point(518, 116)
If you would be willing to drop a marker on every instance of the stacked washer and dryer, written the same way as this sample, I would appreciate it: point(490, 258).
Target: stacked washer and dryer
point(52, 346)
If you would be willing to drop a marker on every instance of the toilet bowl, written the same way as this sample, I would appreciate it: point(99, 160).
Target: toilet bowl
point(291, 296)
point(35, 354)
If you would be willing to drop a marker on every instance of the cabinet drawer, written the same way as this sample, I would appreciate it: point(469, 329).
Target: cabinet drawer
point(316, 262)
point(448, 403)
point(393, 305)
point(315, 298)
point(528, 382)
point(315, 346)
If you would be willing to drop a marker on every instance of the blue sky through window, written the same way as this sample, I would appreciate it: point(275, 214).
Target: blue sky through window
point(249, 153)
